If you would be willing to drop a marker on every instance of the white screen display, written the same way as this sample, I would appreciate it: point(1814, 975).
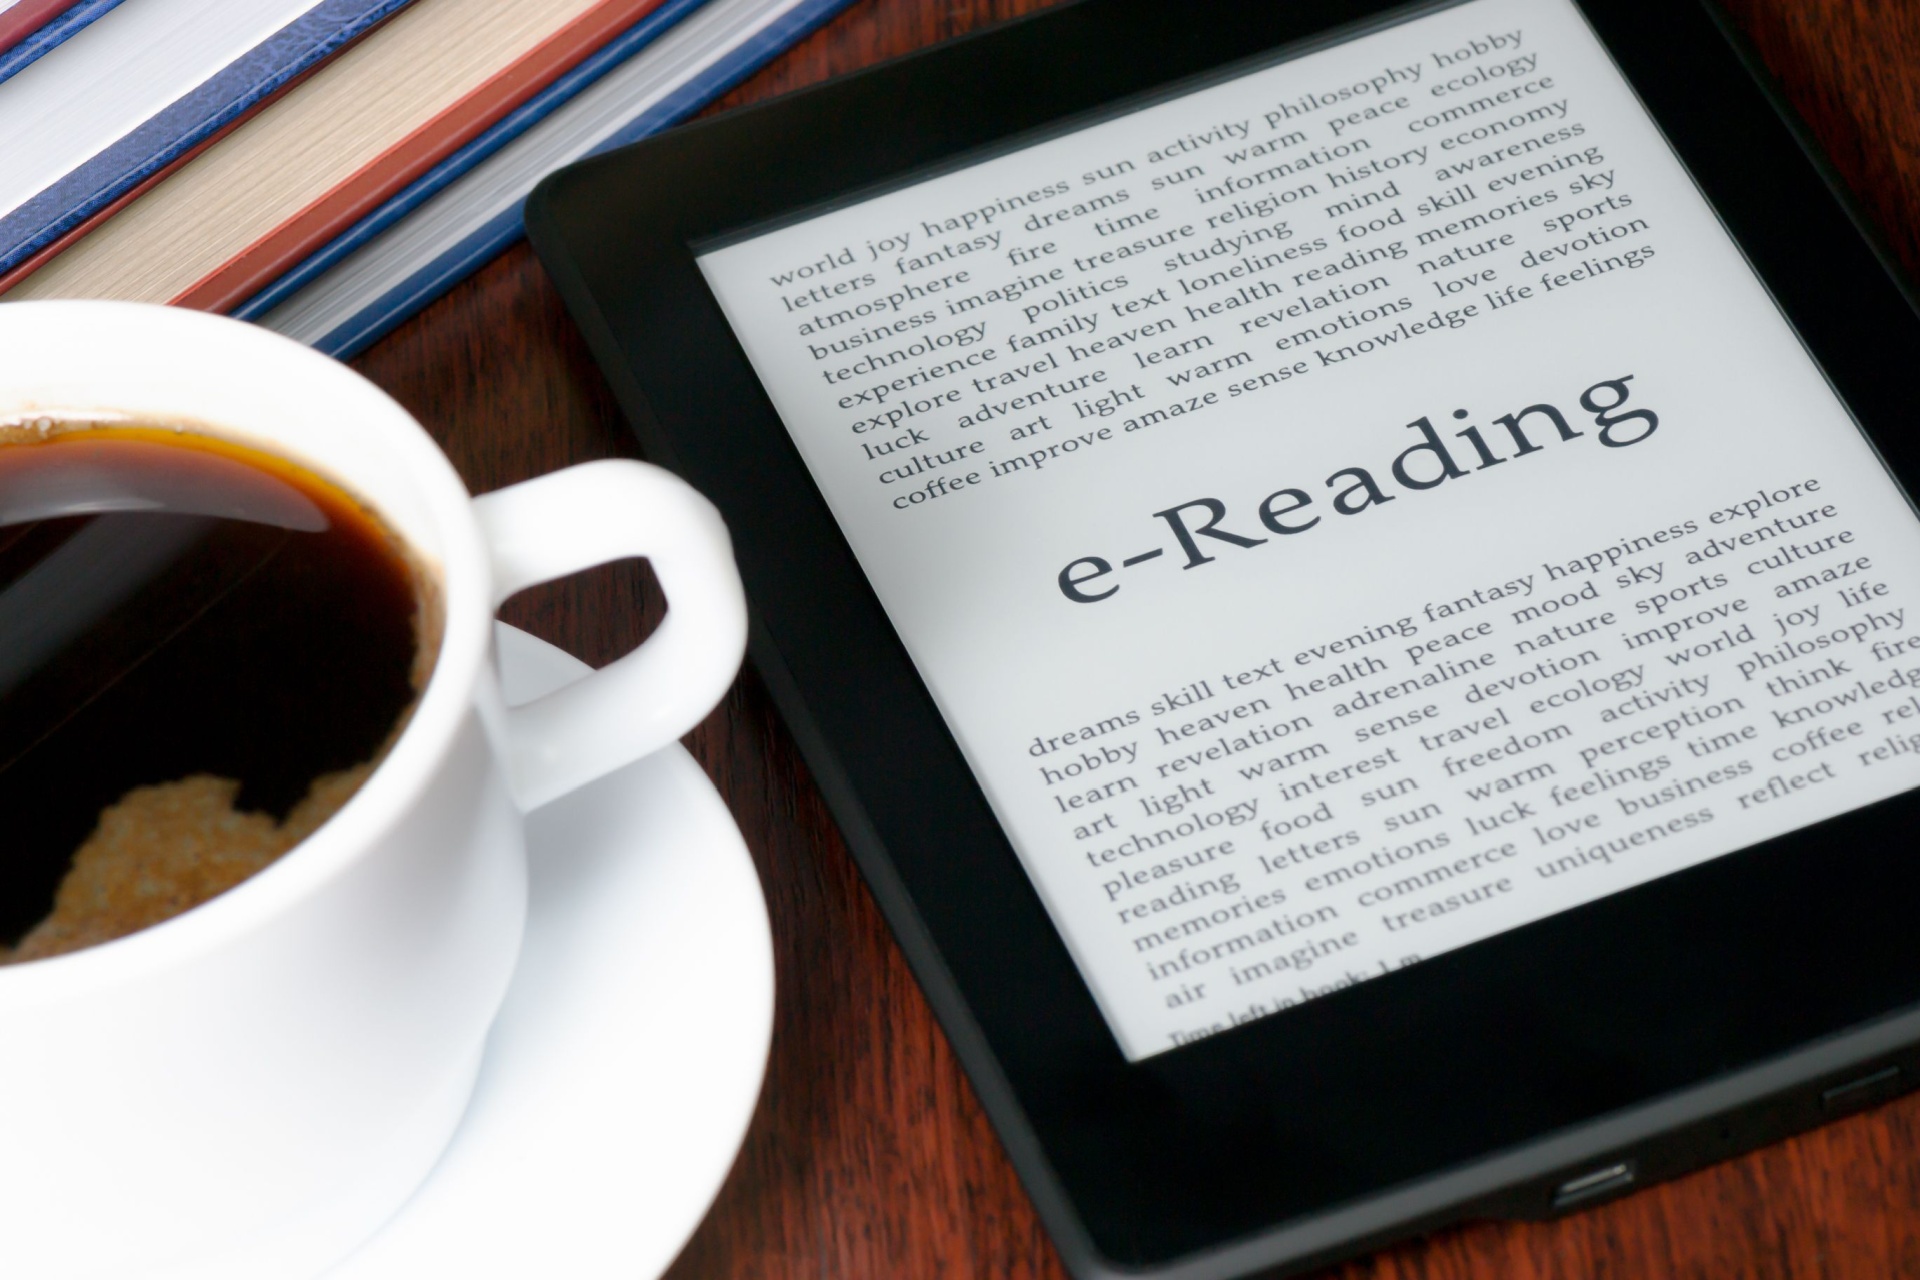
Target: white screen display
point(1347, 511)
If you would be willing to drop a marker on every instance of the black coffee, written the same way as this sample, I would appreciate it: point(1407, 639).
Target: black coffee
point(202, 648)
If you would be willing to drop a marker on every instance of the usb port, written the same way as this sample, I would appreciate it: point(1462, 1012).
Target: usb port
point(1591, 1186)
point(1862, 1092)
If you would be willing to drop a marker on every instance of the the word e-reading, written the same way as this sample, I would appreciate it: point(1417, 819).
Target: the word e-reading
point(1427, 464)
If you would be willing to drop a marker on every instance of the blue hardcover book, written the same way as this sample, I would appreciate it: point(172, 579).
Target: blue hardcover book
point(115, 102)
point(468, 209)
point(31, 29)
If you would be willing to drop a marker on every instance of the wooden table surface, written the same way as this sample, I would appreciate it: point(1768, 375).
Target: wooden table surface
point(868, 1155)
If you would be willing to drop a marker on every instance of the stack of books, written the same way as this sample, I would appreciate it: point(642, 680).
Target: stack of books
point(326, 167)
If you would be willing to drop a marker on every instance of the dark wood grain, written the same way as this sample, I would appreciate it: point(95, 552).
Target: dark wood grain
point(868, 1155)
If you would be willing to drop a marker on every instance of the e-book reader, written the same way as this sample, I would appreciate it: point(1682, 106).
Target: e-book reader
point(1348, 572)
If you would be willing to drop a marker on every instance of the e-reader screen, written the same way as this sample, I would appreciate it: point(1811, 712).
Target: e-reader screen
point(1347, 510)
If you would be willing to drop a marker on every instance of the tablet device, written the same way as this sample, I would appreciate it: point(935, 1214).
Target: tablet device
point(1347, 570)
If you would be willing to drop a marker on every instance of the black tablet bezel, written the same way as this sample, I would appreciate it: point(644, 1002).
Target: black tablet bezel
point(1388, 1106)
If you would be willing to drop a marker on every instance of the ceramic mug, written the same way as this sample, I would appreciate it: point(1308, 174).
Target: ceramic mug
point(252, 1088)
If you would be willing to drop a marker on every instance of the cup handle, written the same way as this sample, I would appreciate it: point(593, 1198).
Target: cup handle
point(588, 515)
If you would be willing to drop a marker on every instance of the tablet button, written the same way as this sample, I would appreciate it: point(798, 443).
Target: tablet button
point(1591, 1186)
point(1862, 1092)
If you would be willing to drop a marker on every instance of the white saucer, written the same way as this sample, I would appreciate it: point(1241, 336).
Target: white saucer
point(626, 1061)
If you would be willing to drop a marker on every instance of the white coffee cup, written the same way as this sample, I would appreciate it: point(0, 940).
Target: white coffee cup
point(252, 1088)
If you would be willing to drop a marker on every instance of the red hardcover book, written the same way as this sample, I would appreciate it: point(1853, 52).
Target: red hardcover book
point(243, 209)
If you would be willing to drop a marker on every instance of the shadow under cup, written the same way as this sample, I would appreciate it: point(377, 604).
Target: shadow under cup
point(205, 649)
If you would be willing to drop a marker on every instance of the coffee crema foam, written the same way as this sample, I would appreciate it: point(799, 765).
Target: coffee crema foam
point(165, 849)
point(211, 648)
